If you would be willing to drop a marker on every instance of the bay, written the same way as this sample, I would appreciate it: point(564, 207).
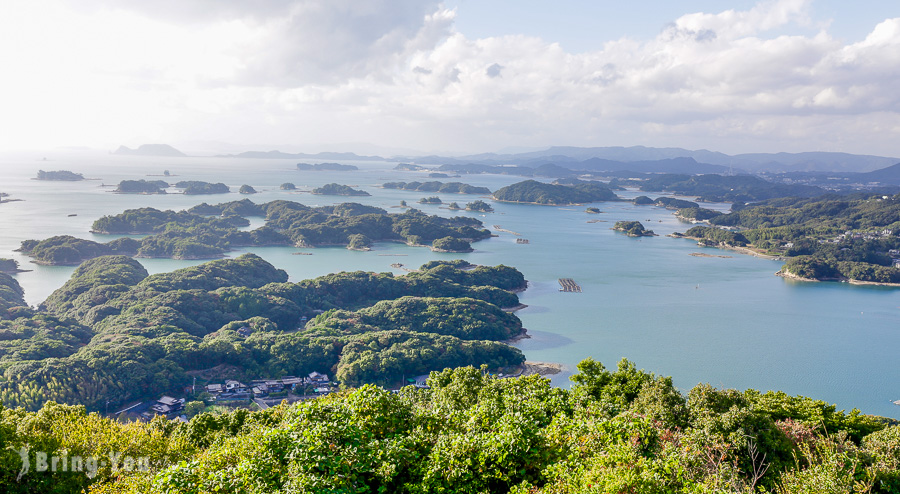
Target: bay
point(723, 320)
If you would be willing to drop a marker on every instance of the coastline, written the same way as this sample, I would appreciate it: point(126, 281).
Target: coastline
point(530, 368)
point(743, 250)
point(792, 276)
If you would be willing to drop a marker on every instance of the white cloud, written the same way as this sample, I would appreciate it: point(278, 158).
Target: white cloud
point(394, 72)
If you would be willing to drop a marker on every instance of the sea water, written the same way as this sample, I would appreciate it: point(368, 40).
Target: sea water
point(725, 320)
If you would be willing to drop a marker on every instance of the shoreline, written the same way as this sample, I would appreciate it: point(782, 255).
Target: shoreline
point(530, 368)
point(743, 250)
point(792, 276)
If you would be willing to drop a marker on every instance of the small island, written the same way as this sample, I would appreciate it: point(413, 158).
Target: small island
point(141, 187)
point(333, 189)
point(408, 167)
point(454, 206)
point(633, 229)
point(431, 200)
point(247, 189)
point(195, 187)
point(359, 242)
point(59, 175)
point(534, 192)
point(331, 167)
point(10, 266)
point(592, 210)
point(479, 206)
point(288, 186)
point(451, 244)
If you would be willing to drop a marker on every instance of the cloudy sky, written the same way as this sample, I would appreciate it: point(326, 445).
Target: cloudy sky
point(456, 76)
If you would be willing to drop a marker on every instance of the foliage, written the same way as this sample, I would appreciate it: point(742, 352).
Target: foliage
point(288, 186)
point(448, 187)
point(633, 229)
point(142, 187)
point(64, 175)
point(8, 265)
point(195, 187)
point(450, 244)
point(479, 205)
point(431, 200)
point(532, 191)
point(247, 189)
point(68, 250)
point(339, 190)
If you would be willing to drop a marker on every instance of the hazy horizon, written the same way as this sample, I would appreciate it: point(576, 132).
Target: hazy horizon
point(455, 77)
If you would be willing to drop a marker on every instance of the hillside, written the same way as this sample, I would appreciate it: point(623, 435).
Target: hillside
point(534, 192)
point(150, 150)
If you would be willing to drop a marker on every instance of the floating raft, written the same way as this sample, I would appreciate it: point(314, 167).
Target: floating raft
point(569, 285)
point(522, 241)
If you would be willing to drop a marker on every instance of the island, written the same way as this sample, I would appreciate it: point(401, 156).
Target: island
point(9, 266)
point(849, 238)
point(288, 186)
point(435, 186)
point(333, 189)
point(195, 187)
point(247, 189)
point(211, 231)
point(451, 244)
point(59, 175)
point(431, 200)
point(360, 242)
point(711, 187)
point(333, 167)
point(150, 150)
point(454, 206)
point(479, 206)
point(592, 210)
point(534, 192)
point(141, 187)
point(408, 167)
point(633, 229)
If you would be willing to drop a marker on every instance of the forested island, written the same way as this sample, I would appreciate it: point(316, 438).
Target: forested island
point(195, 187)
point(288, 186)
point(479, 206)
point(333, 167)
point(210, 231)
point(633, 229)
point(717, 188)
point(114, 333)
point(60, 175)
point(446, 187)
point(847, 238)
point(534, 192)
point(142, 187)
point(451, 244)
point(9, 266)
point(247, 189)
point(431, 200)
point(339, 190)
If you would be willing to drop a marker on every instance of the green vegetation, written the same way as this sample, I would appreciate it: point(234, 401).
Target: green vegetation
point(698, 214)
point(435, 186)
point(338, 190)
point(454, 206)
point(592, 210)
point(431, 200)
point(479, 206)
point(642, 201)
point(450, 244)
point(616, 431)
point(209, 231)
point(674, 203)
point(247, 189)
point(633, 229)
point(825, 238)
point(534, 192)
point(62, 175)
point(8, 265)
point(334, 167)
point(114, 333)
point(193, 187)
point(288, 186)
point(358, 241)
point(142, 187)
point(719, 188)
point(66, 250)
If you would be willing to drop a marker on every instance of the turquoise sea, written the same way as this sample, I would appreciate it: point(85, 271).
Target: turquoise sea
point(727, 321)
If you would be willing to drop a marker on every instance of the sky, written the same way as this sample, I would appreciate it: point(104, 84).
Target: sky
point(454, 77)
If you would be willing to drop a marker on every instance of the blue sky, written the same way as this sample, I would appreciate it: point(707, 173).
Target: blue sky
point(460, 76)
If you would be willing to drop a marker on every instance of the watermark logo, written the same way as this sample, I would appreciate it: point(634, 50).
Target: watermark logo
point(89, 465)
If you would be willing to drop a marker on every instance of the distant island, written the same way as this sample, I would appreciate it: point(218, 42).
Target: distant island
point(431, 200)
point(194, 187)
point(10, 266)
point(435, 186)
point(59, 175)
point(288, 186)
point(451, 244)
point(247, 189)
point(333, 189)
point(142, 187)
point(150, 150)
point(479, 206)
point(633, 229)
point(407, 167)
point(333, 167)
point(534, 192)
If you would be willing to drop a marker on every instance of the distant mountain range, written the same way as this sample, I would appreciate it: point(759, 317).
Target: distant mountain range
point(150, 150)
point(612, 159)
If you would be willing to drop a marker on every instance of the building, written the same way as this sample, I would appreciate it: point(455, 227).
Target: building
point(167, 405)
